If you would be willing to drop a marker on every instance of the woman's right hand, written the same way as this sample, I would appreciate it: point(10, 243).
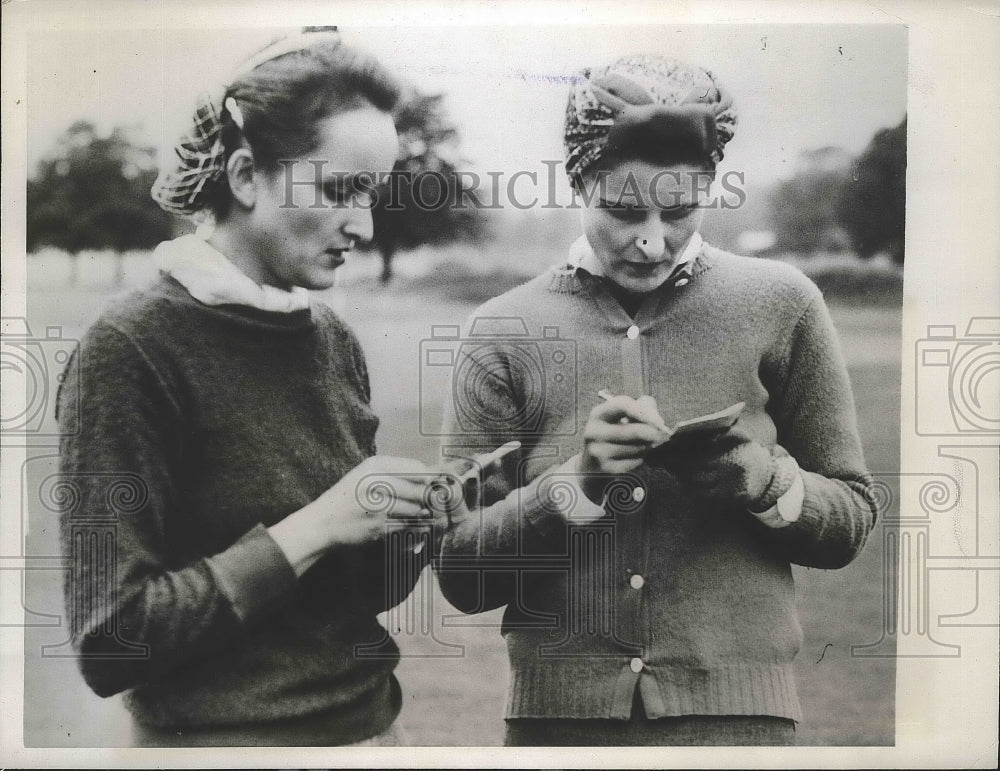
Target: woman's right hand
point(618, 434)
point(354, 511)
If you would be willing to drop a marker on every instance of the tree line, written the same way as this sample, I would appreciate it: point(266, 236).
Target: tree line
point(92, 192)
point(836, 202)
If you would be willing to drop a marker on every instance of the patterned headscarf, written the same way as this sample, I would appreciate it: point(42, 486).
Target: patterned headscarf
point(201, 152)
point(641, 89)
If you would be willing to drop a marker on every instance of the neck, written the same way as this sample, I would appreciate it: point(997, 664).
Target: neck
point(230, 238)
point(629, 300)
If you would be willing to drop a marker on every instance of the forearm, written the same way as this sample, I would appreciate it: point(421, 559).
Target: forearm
point(833, 525)
point(138, 604)
point(817, 424)
point(480, 553)
point(154, 620)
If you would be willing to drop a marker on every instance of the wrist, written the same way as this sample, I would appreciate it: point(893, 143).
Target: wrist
point(298, 544)
point(573, 505)
point(590, 480)
point(783, 470)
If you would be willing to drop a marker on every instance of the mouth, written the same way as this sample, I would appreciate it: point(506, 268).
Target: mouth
point(337, 257)
point(645, 268)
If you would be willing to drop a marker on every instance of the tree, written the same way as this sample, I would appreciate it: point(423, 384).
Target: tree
point(872, 205)
point(804, 209)
point(92, 192)
point(427, 200)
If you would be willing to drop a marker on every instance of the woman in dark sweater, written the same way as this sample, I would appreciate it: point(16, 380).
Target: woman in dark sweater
point(230, 548)
point(647, 578)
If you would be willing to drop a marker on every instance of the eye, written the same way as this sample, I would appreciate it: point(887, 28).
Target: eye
point(336, 191)
point(358, 191)
point(623, 212)
point(678, 213)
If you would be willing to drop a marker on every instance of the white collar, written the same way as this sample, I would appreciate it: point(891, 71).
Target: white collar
point(211, 278)
point(581, 255)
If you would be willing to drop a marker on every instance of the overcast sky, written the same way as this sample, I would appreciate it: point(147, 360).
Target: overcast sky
point(797, 87)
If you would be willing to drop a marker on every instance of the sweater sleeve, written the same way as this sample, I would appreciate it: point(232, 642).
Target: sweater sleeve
point(518, 516)
point(135, 613)
point(816, 420)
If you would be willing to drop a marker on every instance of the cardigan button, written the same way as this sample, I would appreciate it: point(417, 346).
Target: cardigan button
point(638, 494)
point(633, 332)
point(637, 581)
point(636, 665)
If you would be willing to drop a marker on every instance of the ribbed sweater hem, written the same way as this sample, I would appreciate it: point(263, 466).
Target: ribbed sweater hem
point(603, 688)
point(365, 717)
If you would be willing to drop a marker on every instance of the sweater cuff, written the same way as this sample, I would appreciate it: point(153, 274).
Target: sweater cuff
point(788, 508)
point(555, 498)
point(784, 470)
point(253, 573)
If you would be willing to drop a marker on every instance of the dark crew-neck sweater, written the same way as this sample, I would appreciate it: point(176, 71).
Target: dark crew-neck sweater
point(199, 427)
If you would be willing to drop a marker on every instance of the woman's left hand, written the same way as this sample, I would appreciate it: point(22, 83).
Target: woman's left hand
point(727, 468)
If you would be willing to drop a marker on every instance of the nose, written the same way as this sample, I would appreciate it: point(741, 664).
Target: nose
point(651, 240)
point(358, 225)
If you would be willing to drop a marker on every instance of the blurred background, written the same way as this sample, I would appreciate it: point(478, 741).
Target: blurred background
point(820, 157)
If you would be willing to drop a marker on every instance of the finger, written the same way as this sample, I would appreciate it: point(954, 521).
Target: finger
point(622, 433)
point(408, 467)
point(625, 407)
point(457, 466)
point(618, 467)
point(647, 407)
point(410, 510)
point(418, 525)
point(605, 451)
point(398, 488)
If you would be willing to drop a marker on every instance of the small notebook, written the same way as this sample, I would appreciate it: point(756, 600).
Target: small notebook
point(714, 422)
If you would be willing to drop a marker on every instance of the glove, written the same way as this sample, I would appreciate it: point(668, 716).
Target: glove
point(728, 468)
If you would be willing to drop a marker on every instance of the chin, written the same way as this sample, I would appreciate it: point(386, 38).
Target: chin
point(317, 286)
point(318, 282)
point(640, 285)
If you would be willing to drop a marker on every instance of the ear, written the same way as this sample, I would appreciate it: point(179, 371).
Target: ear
point(239, 169)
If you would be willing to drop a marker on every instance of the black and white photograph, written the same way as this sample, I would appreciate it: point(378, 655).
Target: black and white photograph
point(557, 386)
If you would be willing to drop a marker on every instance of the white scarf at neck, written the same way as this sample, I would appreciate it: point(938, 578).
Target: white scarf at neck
point(211, 278)
point(581, 255)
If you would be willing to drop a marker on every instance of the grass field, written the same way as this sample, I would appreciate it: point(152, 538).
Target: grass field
point(454, 678)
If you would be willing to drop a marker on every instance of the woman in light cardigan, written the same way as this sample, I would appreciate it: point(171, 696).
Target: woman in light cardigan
point(647, 583)
point(226, 440)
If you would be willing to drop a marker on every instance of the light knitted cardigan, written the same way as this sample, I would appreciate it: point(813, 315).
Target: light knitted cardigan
point(693, 605)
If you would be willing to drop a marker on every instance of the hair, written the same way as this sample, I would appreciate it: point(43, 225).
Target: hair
point(661, 138)
point(283, 99)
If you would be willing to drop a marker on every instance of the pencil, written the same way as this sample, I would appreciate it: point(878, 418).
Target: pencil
point(489, 459)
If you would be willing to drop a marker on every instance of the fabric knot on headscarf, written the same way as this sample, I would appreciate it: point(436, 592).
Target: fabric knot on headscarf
point(201, 158)
point(201, 152)
point(644, 92)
